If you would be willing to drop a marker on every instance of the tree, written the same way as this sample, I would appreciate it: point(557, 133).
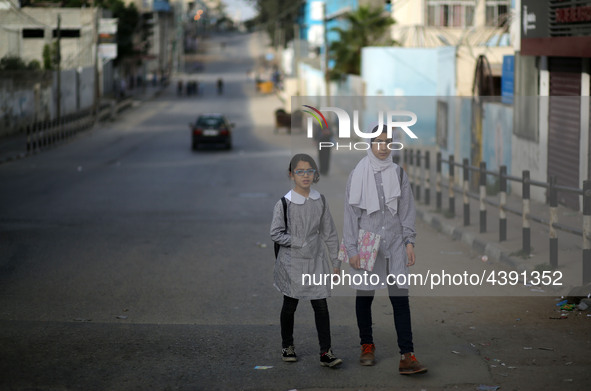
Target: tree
point(14, 63)
point(278, 18)
point(366, 27)
point(50, 56)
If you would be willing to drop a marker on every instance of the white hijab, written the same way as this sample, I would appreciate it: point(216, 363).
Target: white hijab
point(364, 193)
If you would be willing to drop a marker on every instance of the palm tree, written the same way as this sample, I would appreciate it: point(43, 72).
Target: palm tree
point(366, 27)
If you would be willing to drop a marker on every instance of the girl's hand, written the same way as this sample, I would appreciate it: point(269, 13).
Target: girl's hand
point(410, 253)
point(335, 279)
point(355, 262)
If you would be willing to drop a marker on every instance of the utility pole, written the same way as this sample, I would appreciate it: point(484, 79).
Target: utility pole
point(325, 59)
point(296, 48)
point(96, 63)
point(59, 70)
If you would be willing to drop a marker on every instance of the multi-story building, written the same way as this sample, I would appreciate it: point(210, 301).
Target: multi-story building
point(25, 32)
point(473, 27)
point(157, 36)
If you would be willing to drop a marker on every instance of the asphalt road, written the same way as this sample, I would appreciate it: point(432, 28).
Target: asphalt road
point(130, 262)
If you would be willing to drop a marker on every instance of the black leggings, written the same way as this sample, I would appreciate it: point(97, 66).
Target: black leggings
point(402, 322)
point(320, 315)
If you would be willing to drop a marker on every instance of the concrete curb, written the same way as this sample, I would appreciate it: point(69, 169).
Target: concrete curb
point(493, 251)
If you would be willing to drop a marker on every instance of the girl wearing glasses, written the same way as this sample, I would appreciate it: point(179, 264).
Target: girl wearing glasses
point(302, 253)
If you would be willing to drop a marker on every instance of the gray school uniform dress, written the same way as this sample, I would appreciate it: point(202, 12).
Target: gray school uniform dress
point(393, 229)
point(303, 251)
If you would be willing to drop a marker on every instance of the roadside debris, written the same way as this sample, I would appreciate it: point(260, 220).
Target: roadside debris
point(567, 307)
point(263, 367)
point(82, 320)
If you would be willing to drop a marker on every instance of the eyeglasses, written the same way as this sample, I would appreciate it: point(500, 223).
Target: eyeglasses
point(310, 171)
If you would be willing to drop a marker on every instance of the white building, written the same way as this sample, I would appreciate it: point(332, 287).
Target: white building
point(474, 27)
point(25, 31)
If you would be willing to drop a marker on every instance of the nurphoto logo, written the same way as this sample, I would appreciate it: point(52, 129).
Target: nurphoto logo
point(344, 127)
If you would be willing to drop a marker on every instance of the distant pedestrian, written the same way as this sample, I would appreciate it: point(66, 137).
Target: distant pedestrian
point(323, 135)
point(220, 85)
point(122, 88)
point(302, 226)
point(179, 88)
point(379, 200)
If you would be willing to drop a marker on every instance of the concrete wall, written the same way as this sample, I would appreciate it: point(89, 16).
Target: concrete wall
point(76, 52)
point(394, 71)
point(497, 131)
point(31, 96)
point(24, 97)
point(529, 155)
point(466, 64)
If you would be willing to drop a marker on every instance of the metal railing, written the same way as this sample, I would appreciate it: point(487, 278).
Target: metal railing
point(43, 134)
point(417, 162)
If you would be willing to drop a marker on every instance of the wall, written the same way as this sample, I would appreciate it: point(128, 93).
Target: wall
point(466, 64)
point(75, 51)
point(497, 130)
point(24, 97)
point(394, 71)
point(312, 81)
point(29, 96)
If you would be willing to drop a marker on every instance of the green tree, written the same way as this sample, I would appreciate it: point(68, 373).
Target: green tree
point(277, 18)
point(366, 27)
point(50, 56)
point(34, 65)
point(12, 63)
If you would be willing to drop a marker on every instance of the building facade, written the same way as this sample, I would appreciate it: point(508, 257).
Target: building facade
point(555, 48)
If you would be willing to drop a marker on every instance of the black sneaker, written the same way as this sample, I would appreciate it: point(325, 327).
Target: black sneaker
point(289, 354)
point(328, 359)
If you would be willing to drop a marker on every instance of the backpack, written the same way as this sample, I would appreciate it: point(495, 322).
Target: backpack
point(284, 202)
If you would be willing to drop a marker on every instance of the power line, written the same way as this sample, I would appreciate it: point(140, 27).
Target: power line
point(21, 12)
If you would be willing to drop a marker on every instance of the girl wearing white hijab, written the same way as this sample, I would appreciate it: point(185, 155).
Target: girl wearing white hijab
point(379, 200)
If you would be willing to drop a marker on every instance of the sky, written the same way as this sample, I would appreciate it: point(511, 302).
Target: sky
point(243, 7)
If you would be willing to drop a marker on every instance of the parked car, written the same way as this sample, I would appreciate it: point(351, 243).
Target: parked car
point(211, 129)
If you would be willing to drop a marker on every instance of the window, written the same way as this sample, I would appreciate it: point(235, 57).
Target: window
point(497, 12)
point(33, 33)
point(450, 13)
point(67, 33)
